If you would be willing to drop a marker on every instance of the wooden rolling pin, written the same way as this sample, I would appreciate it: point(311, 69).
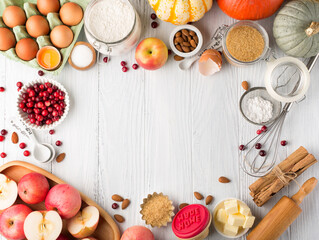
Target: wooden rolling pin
point(282, 214)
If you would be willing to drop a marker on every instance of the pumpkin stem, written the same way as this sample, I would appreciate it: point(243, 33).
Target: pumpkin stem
point(312, 29)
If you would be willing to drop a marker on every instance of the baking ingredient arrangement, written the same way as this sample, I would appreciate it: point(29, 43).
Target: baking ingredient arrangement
point(35, 204)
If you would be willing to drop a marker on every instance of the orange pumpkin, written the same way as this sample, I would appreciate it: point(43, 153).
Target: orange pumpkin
point(249, 9)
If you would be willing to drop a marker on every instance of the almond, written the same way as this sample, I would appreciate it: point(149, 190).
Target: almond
point(119, 218)
point(209, 199)
point(178, 34)
point(182, 205)
point(125, 203)
point(60, 157)
point(117, 198)
point(179, 48)
point(223, 180)
point(186, 44)
point(192, 33)
point(186, 49)
point(245, 85)
point(185, 32)
point(192, 42)
point(178, 58)
point(198, 196)
point(14, 138)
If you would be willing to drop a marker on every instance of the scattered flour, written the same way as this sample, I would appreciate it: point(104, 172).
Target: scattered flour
point(259, 110)
point(111, 20)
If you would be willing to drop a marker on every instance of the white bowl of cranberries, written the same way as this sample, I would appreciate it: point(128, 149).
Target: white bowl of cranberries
point(43, 104)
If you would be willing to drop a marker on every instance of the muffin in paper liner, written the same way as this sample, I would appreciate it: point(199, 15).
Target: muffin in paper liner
point(157, 210)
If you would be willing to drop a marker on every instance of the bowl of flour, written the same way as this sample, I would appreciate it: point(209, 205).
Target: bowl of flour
point(112, 27)
point(258, 107)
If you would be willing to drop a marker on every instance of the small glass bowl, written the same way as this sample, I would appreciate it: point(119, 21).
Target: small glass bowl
point(262, 31)
point(259, 92)
point(190, 28)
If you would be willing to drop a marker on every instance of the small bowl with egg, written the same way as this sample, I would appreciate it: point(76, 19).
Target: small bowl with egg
point(49, 58)
point(232, 218)
point(186, 40)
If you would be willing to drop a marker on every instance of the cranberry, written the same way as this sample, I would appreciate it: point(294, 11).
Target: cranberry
point(55, 113)
point(24, 95)
point(124, 69)
point(46, 94)
point(47, 85)
point(45, 113)
point(135, 66)
point(259, 131)
point(4, 132)
point(3, 155)
point(26, 153)
point(47, 103)
point(41, 73)
point(258, 146)
point(48, 122)
point(115, 206)
point(21, 105)
point(29, 111)
point(154, 24)
point(32, 120)
point(241, 147)
point(50, 90)
point(153, 16)
point(19, 89)
point(2, 89)
point(123, 63)
point(105, 59)
point(283, 143)
point(58, 143)
point(19, 84)
point(40, 118)
point(32, 93)
point(262, 153)
point(22, 145)
point(264, 128)
point(40, 105)
point(169, 51)
point(25, 109)
point(2, 138)
point(51, 131)
point(30, 104)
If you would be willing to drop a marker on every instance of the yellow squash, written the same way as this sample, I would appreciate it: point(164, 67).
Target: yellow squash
point(180, 12)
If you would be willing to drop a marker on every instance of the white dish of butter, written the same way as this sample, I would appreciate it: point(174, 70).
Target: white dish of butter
point(232, 218)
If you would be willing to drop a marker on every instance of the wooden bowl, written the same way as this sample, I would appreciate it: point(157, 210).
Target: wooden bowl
point(91, 64)
point(107, 228)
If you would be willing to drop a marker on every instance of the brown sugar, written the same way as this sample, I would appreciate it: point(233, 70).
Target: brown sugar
point(157, 210)
point(245, 43)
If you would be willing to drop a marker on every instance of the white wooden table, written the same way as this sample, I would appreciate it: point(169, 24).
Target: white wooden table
point(166, 131)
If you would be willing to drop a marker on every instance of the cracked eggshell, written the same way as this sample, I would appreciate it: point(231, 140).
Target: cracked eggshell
point(210, 62)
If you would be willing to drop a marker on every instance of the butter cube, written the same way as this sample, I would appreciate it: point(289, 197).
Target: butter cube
point(244, 209)
point(231, 206)
point(221, 216)
point(230, 230)
point(249, 221)
point(237, 220)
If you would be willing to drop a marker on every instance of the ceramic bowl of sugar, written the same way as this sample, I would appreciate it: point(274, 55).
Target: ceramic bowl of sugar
point(258, 107)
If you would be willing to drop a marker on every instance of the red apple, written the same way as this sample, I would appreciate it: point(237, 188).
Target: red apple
point(65, 199)
point(137, 233)
point(151, 53)
point(33, 188)
point(12, 220)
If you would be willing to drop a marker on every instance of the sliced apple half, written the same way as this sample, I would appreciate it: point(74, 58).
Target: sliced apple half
point(8, 192)
point(43, 225)
point(84, 223)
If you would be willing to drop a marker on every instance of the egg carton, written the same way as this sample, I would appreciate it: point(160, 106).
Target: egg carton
point(20, 32)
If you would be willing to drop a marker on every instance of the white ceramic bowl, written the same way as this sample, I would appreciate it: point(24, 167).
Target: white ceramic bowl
point(242, 233)
point(188, 27)
point(24, 116)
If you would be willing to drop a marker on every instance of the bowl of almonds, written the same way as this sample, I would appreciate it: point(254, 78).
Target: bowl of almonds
point(186, 41)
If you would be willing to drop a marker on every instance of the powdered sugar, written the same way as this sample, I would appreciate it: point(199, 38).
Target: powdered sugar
point(259, 110)
point(111, 20)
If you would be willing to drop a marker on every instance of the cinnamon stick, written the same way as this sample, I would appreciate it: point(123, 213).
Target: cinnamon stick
point(290, 161)
point(264, 188)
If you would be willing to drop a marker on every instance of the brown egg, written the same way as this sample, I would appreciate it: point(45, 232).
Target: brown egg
point(37, 26)
point(7, 39)
point(27, 49)
point(47, 6)
point(61, 36)
point(71, 14)
point(14, 16)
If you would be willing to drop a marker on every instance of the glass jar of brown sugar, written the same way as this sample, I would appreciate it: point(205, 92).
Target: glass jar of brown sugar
point(245, 43)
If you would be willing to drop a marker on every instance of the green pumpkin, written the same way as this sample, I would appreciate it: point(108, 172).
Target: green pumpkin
point(296, 28)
